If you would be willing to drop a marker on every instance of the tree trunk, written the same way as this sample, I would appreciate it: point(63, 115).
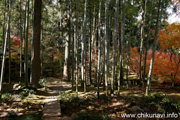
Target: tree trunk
point(90, 50)
point(36, 70)
point(142, 40)
point(99, 47)
point(66, 74)
point(106, 46)
point(147, 41)
point(26, 44)
point(21, 38)
point(9, 40)
point(122, 42)
point(148, 87)
point(128, 57)
point(76, 46)
point(4, 16)
point(93, 32)
point(114, 45)
point(32, 43)
point(83, 47)
point(4, 51)
point(70, 14)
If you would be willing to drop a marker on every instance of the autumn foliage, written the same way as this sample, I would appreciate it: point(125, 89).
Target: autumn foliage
point(166, 65)
point(167, 59)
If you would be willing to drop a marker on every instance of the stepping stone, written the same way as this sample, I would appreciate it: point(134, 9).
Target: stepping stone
point(52, 110)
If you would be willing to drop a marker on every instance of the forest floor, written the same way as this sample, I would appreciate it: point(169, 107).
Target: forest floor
point(164, 99)
point(21, 105)
point(27, 103)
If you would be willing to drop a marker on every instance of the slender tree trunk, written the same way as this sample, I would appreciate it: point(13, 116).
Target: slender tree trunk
point(72, 81)
point(90, 79)
point(32, 42)
point(142, 40)
point(36, 69)
point(93, 33)
point(106, 46)
point(99, 47)
point(26, 44)
point(148, 87)
point(128, 57)
point(4, 51)
point(114, 45)
point(9, 40)
point(66, 75)
point(21, 38)
point(83, 47)
point(147, 41)
point(4, 16)
point(122, 42)
point(76, 46)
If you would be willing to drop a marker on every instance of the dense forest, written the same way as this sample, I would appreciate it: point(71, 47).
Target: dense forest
point(93, 59)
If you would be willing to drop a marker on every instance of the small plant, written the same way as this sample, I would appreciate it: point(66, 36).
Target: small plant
point(67, 97)
point(25, 91)
point(6, 97)
point(43, 82)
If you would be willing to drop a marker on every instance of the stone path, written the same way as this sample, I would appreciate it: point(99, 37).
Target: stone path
point(52, 109)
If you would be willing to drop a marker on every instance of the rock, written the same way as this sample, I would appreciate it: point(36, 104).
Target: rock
point(135, 109)
point(16, 86)
point(74, 116)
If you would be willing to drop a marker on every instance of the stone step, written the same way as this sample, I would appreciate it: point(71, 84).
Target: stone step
point(52, 110)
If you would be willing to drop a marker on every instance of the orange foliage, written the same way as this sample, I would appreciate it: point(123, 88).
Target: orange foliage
point(169, 37)
point(166, 66)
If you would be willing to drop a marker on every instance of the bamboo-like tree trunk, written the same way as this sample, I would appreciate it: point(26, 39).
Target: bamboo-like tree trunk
point(148, 87)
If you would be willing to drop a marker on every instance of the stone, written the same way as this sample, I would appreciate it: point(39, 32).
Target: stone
point(135, 109)
point(74, 116)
